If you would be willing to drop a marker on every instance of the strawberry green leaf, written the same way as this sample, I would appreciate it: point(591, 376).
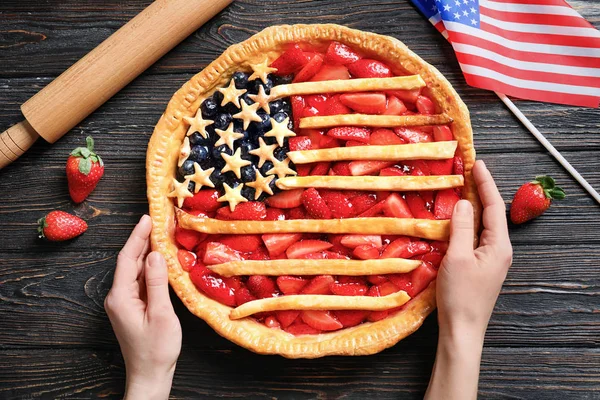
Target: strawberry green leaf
point(90, 143)
point(85, 153)
point(42, 224)
point(546, 182)
point(555, 193)
point(85, 166)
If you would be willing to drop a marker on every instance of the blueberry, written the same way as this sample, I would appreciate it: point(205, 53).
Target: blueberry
point(240, 129)
point(254, 85)
point(281, 80)
point(273, 186)
point(216, 154)
point(230, 179)
point(222, 121)
point(276, 106)
point(280, 153)
point(248, 173)
point(187, 168)
point(199, 154)
point(248, 193)
point(218, 98)
point(281, 116)
point(246, 99)
point(287, 107)
point(246, 145)
point(241, 79)
point(231, 108)
point(196, 139)
point(191, 187)
point(266, 167)
point(259, 128)
point(209, 108)
point(217, 178)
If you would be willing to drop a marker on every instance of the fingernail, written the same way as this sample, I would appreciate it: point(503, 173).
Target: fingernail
point(144, 217)
point(155, 259)
point(462, 207)
point(482, 164)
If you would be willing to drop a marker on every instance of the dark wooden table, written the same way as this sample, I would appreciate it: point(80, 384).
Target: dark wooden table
point(55, 339)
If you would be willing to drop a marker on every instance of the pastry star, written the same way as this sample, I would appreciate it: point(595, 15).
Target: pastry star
point(248, 113)
point(281, 168)
point(234, 163)
point(228, 136)
point(200, 177)
point(261, 71)
point(231, 94)
point(261, 184)
point(198, 124)
point(181, 191)
point(233, 196)
point(264, 152)
point(184, 152)
point(262, 99)
point(280, 130)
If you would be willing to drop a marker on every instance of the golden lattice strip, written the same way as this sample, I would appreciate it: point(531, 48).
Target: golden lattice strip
point(350, 85)
point(316, 267)
point(388, 121)
point(416, 151)
point(423, 228)
point(320, 302)
point(398, 183)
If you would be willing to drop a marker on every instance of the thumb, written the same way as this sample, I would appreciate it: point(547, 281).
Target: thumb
point(157, 284)
point(461, 229)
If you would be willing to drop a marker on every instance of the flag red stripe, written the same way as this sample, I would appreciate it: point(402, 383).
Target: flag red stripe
point(536, 19)
point(529, 75)
point(440, 26)
point(530, 94)
point(538, 2)
point(574, 61)
point(542, 38)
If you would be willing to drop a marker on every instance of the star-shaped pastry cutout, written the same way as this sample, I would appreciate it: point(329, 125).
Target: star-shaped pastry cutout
point(234, 163)
point(264, 152)
point(228, 136)
point(233, 196)
point(262, 99)
point(261, 184)
point(280, 131)
point(198, 124)
point(231, 94)
point(281, 168)
point(184, 151)
point(200, 177)
point(248, 113)
point(261, 71)
point(181, 191)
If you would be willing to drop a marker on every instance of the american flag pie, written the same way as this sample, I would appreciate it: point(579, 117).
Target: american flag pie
point(531, 49)
point(301, 189)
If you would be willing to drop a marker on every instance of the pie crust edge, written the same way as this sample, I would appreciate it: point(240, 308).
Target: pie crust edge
point(163, 149)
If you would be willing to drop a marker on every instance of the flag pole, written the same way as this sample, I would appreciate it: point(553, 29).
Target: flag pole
point(559, 157)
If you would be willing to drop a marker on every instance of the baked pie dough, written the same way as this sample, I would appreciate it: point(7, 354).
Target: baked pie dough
point(170, 145)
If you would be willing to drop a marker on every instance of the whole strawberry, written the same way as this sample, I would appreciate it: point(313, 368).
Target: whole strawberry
point(533, 198)
point(84, 170)
point(59, 225)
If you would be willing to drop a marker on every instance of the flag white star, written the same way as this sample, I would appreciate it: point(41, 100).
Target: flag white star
point(457, 2)
point(473, 22)
point(473, 11)
point(456, 15)
point(447, 7)
point(465, 2)
point(434, 8)
point(466, 13)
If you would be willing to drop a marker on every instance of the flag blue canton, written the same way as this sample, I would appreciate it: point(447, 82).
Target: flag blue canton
point(460, 11)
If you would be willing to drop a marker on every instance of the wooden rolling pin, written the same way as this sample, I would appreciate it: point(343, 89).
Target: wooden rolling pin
point(104, 71)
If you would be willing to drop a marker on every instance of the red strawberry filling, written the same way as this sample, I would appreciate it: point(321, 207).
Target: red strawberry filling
point(198, 250)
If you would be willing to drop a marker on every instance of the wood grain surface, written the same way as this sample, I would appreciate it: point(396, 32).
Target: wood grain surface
point(55, 339)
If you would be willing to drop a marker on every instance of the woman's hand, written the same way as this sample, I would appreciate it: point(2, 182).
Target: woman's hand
point(468, 284)
point(143, 318)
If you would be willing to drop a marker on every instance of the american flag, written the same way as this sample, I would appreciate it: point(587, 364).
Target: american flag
point(539, 50)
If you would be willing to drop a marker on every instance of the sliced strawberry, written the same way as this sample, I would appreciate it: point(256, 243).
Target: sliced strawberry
point(362, 203)
point(249, 211)
point(320, 168)
point(353, 143)
point(212, 285)
point(300, 143)
point(418, 247)
point(310, 69)
point(392, 171)
point(187, 259)
point(387, 288)
point(348, 289)
point(261, 286)
point(297, 213)
point(383, 289)
point(439, 246)
point(350, 133)
point(286, 317)
point(339, 53)
point(321, 320)
point(310, 111)
point(243, 243)
point(420, 278)
point(325, 255)
point(440, 167)
point(350, 318)
point(291, 284)
point(394, 106)
point(188, 238)
point(353, 241)
point(335, 106)
point(205, 200)
point(272, 322)
point(297, 108)
point(342, 168)
point(301, 328)
point(319, 285)
point(382, 195)
point(315, 205)
point(434, 258)
point(259, 254)
point(458, 168)
point(401, 281)
point(366, 68)
point(218, 253)
point(425, 105)
point(292, 60)
point(303, 169)
point(338, 203)
point(275, 214)
point(303, 247)
point(397, 248)
point(374, 211)
point(243, 295)
point(365, 103)
point(366, 252)
point(396, 206)
point(277, 243)
point(445, 200)
point(359, 168)
point(328, 142)
point(407, 96)
point(413, 135)
point(442, 133)
point(376, 279)
point(318, 101)
point(418, 167)
point(331, 72)
point(384, 137)
point(417, 206)
point(286, 199)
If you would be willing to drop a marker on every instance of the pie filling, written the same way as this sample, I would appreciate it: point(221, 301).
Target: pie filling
point(275, 145)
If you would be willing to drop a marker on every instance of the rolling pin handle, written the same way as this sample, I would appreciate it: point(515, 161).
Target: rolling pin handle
point(15, 141)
